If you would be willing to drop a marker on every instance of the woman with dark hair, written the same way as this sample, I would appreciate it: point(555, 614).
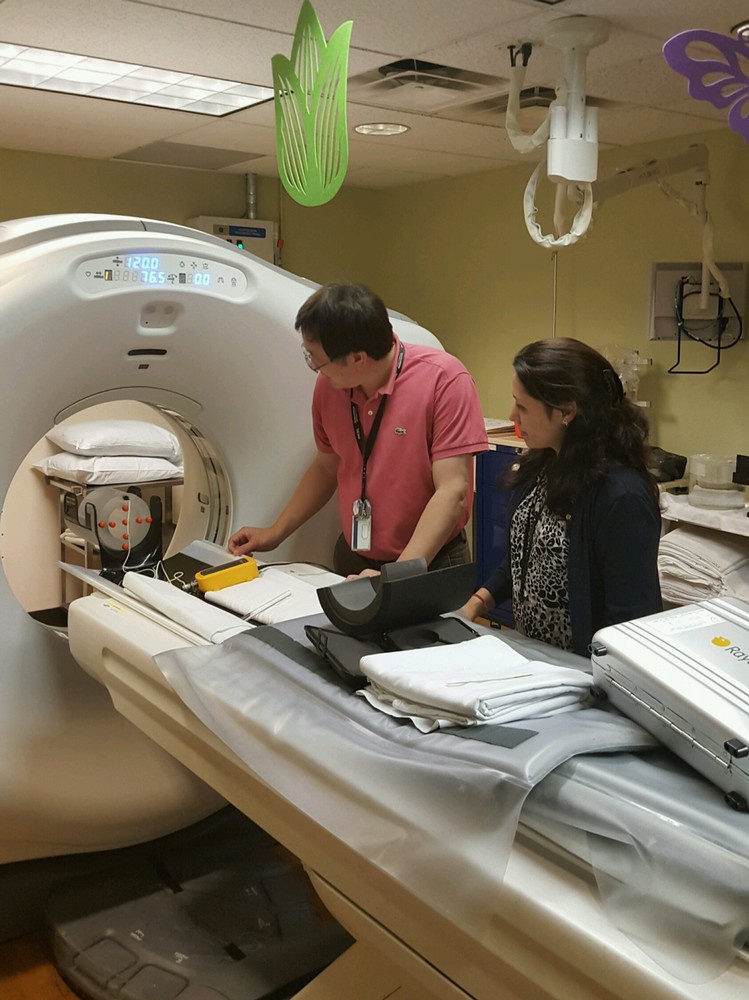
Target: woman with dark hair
point(584, 519)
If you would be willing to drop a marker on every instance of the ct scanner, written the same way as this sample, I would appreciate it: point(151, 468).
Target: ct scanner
point(110, 739)
point(214, 355)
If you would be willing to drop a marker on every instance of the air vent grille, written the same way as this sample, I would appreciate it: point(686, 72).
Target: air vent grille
point(416, 85)
point(180, 154)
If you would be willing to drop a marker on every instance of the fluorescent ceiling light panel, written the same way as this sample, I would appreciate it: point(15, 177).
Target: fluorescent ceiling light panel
point(65, 73)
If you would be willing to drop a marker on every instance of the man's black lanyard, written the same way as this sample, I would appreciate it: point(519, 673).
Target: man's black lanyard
point(365, 447)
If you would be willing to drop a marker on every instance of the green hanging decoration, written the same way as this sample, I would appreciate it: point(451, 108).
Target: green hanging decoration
point(310, 101)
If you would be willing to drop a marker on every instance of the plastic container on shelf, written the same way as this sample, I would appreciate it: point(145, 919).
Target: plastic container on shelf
point(711, 482)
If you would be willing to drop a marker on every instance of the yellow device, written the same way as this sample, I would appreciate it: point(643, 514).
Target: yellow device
point(227, 574)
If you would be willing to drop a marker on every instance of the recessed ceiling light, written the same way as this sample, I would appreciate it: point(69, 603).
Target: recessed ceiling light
point(65, 73)
point(381, 128)
point(741, 30)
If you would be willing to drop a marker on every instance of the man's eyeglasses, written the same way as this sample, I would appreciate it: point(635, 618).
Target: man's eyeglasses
point(311, 364)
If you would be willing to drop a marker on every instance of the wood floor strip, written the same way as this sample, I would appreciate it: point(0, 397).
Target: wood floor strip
point(27, 971)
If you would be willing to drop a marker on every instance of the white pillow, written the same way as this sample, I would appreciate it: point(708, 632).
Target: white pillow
point(103, 469)
point(116, 437)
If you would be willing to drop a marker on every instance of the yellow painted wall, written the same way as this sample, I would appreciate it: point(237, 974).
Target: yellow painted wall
point(455, 255)
point(340, 241)
point(33, 184)
point(460, 261)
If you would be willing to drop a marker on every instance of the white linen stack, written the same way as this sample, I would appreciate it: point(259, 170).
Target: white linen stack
point(696, 563)
point(470, 683)
point(273, 597)
point(212, 624)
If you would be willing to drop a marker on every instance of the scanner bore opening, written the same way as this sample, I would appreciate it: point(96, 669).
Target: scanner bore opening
point(38, 529)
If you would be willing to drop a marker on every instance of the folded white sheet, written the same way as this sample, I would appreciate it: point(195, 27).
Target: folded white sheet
point(678, 508)
point(274, 596)
point(479, 681)
point(696, 563)
point(210, 623)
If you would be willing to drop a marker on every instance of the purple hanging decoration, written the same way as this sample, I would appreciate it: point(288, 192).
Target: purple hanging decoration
point(728, 85)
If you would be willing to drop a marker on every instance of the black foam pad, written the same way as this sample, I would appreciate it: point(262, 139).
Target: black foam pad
point(404, 593)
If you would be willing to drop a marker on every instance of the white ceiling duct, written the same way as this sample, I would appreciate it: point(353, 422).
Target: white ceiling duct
point(534, 103)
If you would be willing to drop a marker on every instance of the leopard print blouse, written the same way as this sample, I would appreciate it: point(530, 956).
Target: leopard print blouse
point(538, 551)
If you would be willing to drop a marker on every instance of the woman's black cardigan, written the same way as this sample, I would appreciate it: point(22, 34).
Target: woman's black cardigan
point(612, 567)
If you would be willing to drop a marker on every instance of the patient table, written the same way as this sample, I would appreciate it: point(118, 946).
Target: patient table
point(408, 838)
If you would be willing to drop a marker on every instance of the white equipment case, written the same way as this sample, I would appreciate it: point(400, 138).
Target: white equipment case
point(683, 675)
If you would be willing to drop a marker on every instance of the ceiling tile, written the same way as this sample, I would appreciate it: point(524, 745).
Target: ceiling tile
point(647, 101)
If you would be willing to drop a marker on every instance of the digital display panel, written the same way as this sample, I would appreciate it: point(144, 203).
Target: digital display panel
point(163, 270)
point(142, 262)
point(151, 272)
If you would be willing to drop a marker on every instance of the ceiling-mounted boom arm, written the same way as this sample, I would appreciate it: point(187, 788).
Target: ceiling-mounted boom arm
point(570, 133)
point(570, 129)
point(694, 158)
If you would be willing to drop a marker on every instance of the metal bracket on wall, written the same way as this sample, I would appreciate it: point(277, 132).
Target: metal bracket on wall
point(664, 281)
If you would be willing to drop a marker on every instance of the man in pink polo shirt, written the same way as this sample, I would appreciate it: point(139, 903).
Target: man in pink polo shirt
point(396, 427)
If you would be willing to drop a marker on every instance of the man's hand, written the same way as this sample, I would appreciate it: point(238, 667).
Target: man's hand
point(364, 572)
point(314, 489)
point(248, 540)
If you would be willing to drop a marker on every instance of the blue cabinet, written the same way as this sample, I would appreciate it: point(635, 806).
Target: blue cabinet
point(491, 518)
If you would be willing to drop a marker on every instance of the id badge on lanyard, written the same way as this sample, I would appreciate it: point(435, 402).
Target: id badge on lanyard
point(361, 522)
point(361, 526)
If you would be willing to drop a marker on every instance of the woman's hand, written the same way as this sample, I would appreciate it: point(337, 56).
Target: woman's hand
point(477, 605)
